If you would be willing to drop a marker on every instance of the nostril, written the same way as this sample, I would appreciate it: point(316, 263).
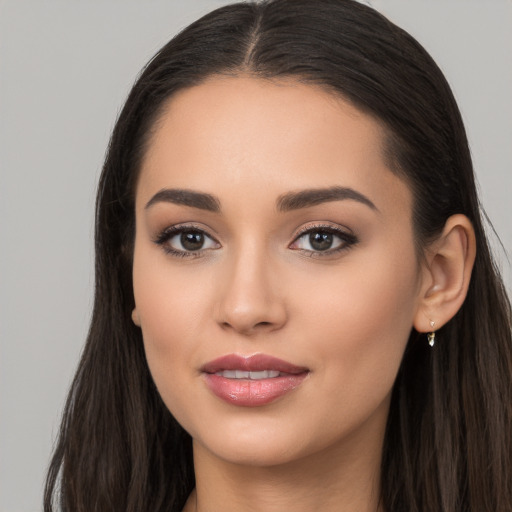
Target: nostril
point(249, 312)
point(248, 328)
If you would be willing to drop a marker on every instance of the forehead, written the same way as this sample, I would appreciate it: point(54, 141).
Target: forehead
point(244, 130)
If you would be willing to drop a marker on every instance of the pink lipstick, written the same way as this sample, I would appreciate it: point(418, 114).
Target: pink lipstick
point(252, 381)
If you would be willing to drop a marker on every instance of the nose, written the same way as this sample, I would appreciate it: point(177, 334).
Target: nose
point(252, 300)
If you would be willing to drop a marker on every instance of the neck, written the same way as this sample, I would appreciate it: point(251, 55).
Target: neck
point(341, 478)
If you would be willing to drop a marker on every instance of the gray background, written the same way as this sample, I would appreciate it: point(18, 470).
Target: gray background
point(65, 69)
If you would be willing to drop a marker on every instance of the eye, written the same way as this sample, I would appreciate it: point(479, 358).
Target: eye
point(185, 241)
point(320, 240)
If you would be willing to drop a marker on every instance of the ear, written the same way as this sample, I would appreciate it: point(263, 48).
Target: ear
point(135, 317)
point(446, 274)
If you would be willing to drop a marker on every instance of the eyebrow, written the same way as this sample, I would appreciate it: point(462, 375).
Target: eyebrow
point(313, 197)
point(287, 202)
point(184, 197)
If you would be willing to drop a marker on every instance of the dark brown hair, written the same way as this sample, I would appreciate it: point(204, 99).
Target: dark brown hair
point(448, 445)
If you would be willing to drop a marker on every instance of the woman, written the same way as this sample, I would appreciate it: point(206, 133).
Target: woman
point(296, 306)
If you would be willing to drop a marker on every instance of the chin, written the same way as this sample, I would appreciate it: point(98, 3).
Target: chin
point(259, 443)
point(256, 453)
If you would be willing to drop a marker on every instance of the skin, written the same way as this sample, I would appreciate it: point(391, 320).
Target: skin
point(258, 287)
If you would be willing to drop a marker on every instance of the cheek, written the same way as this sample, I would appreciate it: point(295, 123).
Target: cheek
point(362, 317)
point(168, 305)
point(167, 295)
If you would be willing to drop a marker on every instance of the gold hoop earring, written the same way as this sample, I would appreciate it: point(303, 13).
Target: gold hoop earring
point(432, 335)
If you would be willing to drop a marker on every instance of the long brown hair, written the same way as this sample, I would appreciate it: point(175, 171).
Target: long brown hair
point(448, 443)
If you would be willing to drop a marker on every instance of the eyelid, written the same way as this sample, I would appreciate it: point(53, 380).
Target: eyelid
point(345, 234)
point(183, 226)
point(327, 226)
point(170, 232)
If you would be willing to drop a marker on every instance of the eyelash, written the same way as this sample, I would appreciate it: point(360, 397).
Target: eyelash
point(167, 234)
point(347, 240)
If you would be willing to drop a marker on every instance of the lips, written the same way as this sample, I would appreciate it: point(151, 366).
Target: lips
point(252, 381)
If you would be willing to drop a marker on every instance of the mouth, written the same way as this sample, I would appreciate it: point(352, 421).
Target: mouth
point(252, 381)
point(242, 374)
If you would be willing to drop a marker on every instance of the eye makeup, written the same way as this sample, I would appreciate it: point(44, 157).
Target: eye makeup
point(318, 240)
point(323, 240)
point(186, 241)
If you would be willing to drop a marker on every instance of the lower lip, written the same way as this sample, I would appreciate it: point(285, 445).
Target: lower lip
point(252, 393)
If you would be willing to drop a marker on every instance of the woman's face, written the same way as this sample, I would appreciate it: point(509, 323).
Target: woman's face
point(272, 239)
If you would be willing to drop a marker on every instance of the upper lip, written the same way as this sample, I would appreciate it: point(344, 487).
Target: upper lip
point(253, 363)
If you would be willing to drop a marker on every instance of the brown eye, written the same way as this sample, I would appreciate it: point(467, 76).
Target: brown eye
point(185, 241)
point(192, 240)
point(321, 240)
